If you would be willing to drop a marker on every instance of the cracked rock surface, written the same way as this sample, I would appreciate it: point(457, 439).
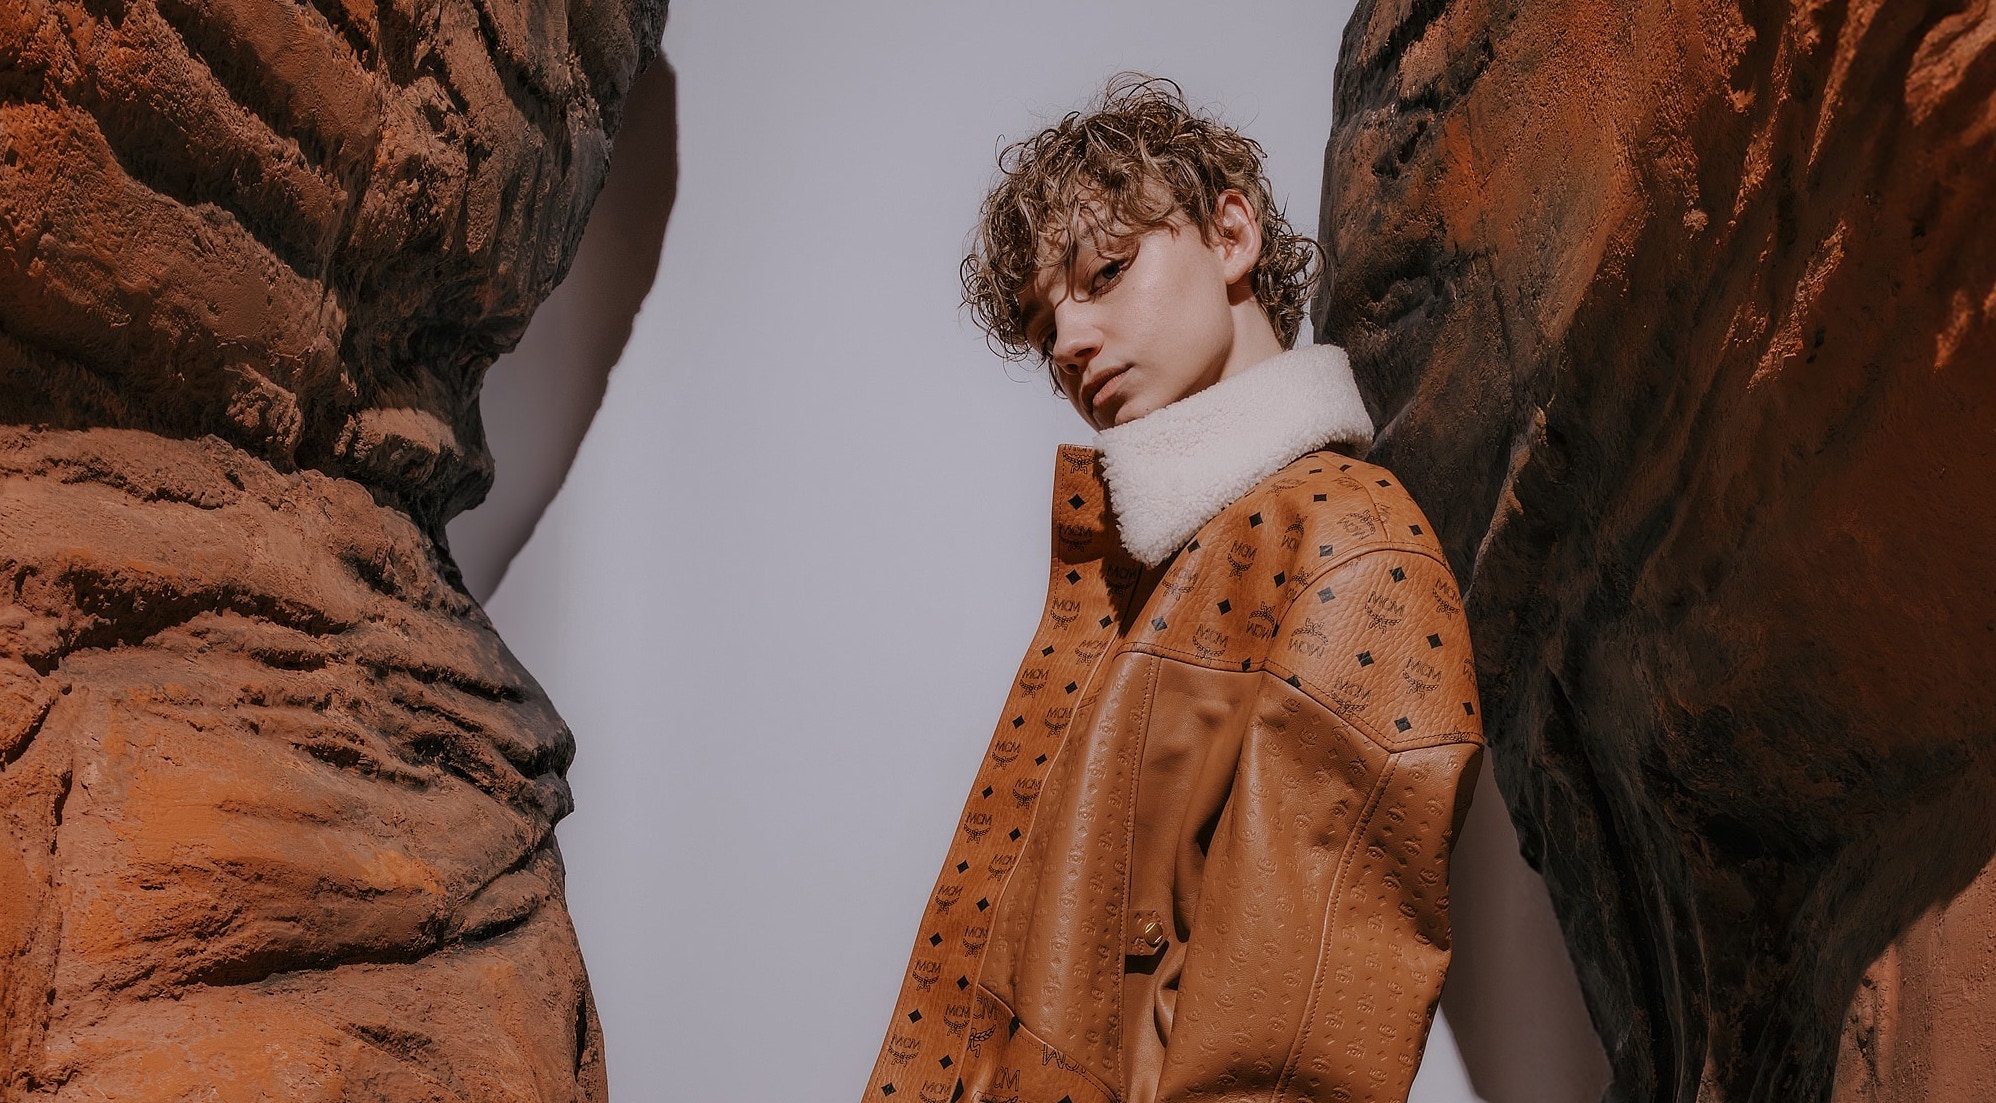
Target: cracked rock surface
point(276, 803)
point(1680, 320)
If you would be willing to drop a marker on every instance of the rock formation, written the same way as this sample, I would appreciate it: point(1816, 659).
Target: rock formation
point(1679, 319)
point(276, 804)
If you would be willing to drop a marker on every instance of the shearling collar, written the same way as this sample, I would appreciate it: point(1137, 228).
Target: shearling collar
point(1174, 469)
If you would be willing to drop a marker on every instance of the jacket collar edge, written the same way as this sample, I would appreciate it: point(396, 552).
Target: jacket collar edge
point(1176, 468)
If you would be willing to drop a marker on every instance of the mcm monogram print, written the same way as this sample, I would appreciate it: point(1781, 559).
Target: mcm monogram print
point(1351, 607)
point(1090, 578)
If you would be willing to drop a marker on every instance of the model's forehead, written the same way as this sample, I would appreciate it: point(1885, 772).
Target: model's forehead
point(1064, 248)
point(1054, 252)
point(1037, 292)
point(1061, 247)
point(1058, 252)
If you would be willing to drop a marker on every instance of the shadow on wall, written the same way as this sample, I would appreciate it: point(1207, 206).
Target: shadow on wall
point(1513, 1002)
point(539, 399)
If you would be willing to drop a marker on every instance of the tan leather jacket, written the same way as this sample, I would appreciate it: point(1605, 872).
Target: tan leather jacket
point(1206, 854)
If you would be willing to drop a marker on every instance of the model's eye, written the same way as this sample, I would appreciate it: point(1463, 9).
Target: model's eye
point(1106, 275)
point(1044, 342)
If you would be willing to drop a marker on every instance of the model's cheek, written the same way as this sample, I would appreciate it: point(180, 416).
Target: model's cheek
point(1081, 409)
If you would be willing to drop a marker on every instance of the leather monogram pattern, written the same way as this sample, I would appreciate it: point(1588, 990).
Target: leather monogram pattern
point(1232, 880)
point(1089, 587)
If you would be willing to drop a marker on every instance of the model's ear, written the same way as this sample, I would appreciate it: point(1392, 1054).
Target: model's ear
point(1236, 235)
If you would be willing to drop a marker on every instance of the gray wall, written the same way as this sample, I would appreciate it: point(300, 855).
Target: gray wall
point(782, 592)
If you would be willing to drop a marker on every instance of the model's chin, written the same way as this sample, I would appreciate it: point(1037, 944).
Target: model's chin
point(1121, 410)
point(1114, 406)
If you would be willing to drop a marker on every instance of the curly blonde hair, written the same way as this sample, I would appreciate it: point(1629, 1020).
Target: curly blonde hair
point(1136, 158)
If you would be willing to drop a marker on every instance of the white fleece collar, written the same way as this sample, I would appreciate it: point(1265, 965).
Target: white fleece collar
point(1174, 469)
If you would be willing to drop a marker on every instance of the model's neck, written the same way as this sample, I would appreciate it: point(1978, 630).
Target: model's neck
point(1254, 338)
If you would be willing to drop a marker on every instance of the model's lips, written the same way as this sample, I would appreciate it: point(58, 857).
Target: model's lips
point(1092, 387)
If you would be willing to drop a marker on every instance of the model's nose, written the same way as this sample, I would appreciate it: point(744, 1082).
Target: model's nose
point(1075, 344)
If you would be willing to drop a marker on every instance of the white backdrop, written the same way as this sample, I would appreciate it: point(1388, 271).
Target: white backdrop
point(802, 546)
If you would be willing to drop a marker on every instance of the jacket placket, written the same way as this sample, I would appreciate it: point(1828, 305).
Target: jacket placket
point(1090, 586)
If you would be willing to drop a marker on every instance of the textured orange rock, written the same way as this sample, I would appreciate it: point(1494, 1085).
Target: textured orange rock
point(303, 228)
point(1679, 319)
point(276, 804)
point(283, 818)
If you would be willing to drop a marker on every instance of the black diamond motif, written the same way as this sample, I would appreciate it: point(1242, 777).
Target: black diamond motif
point(915, 1016)
point(1320, 497)
point(1074, 576)
point(956, 1093)
point(1468, 709)
point(1323, 550)
point(1344, 467)
point(1434, 639)
point(1157, 623)
point(1071, 687)
point(1365, 658)
point(1225, 606)
point(1066, 1099)
point(887, 1089)
point(1402, 724)
point(1077, 501)
point(963, 867)
point(1324, 595)
point(1105, 622)
point(1047, 650)
point(946, 1062)
point(1316, 471)
point(1247, 664)
point(1193, 546)
point(1014, 833)
point(936, 939)
point(962, 983)
point(1254, 520)
point(1293, 682)
point(1281, 577)
point(983, 902)
point(987, 790)
point(1399, 575)
point(1416, 528)
point(1018, 721)
point(1040, 760)
point(1383, 482)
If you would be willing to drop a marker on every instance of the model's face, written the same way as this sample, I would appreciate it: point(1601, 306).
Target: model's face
point(1141, 321)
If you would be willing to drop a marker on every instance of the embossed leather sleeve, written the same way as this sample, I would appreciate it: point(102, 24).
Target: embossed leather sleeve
point(1321, 935)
